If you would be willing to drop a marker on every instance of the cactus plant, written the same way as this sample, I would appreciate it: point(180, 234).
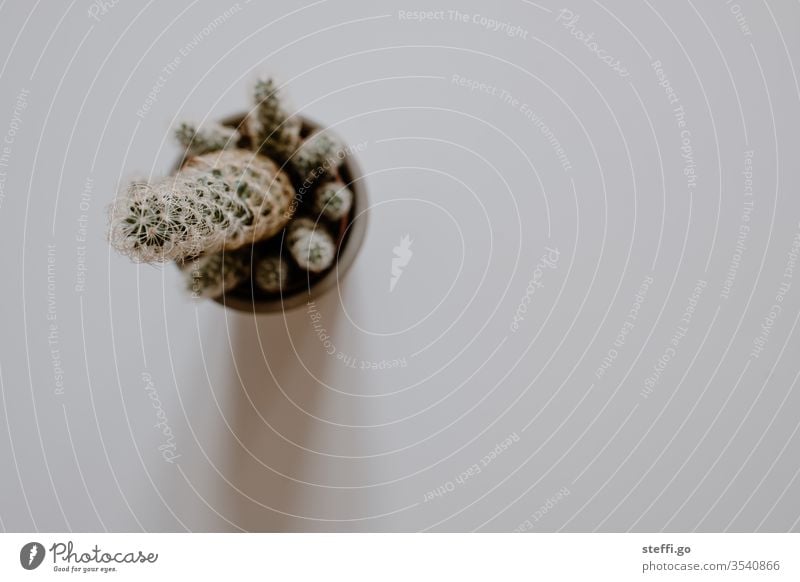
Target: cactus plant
point(221, 200)
point(271, 274)
point(317, 157)
point(333, 200)
point(214, 274)
point(230, 194)
point(273, 131)
point(310, 245)
point(209, 138)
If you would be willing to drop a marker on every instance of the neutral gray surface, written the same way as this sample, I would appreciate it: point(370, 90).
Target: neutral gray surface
point(275, 434)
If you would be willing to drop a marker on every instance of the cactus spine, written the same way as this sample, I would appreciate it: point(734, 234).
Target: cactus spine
point(222, 200)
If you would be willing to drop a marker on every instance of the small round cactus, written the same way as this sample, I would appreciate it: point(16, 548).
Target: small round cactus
point(333, 200)
point(213, 275)
point(205, 139)
point(310, 245)
point(224, 200)
point(318, 156)
point(274, 132)
point(271, 274)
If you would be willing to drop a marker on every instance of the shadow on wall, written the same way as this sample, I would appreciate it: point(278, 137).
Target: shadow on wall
point(272, 397)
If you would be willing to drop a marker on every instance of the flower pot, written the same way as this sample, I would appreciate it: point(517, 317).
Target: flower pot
point(349, 236)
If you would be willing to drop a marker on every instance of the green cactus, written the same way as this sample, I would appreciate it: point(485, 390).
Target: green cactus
point(317, 157)
point(333, 200)
point(217, 273)
point(223, 200)
point(310, 245)
point(271, 274)
point(272, 129)
point(208, 138)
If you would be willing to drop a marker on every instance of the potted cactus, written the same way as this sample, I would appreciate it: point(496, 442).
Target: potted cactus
point(263, 212)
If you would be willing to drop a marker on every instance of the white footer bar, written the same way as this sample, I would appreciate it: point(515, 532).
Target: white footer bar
point(401, 557)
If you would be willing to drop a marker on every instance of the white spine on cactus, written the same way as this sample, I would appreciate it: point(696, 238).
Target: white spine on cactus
point(215, 274)
point(310, 245)
point(272, 129)
point(208, 138)
point(333, 200)
point(318, 156)
point(271, 273)
point(223, 200)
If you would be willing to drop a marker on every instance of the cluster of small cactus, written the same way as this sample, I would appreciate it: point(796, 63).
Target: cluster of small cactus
point(236, 210)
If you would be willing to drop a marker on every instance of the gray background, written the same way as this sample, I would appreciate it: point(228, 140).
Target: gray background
point(272, 432)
